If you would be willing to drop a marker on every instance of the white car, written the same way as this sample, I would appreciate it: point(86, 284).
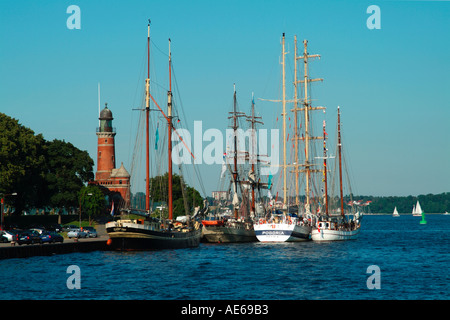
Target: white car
point(8, 235)
point(77, 233)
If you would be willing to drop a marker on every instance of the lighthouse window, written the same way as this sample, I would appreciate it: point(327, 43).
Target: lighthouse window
point(99, 154)
point(106, 140)
point(120, 181)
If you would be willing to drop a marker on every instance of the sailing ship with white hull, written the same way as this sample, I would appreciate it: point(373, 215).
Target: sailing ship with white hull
point(337, 227)
point(149, 232)
point(238, 228)
point(283, 226)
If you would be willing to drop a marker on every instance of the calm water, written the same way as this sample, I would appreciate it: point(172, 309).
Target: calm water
point(414, 261)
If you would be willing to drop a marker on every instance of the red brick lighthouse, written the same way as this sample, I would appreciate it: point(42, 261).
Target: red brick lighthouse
point(116, 181)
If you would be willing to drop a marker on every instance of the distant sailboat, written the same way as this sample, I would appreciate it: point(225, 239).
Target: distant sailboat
point(395, 214)
point(417, 210)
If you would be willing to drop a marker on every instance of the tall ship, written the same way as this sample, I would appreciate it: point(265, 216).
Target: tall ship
point(338, 226)
point(148, 232)
point(292, 222)
point(238, 227)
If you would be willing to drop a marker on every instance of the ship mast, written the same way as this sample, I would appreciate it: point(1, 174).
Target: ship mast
point(253, 159)
point(284, 122)
point(284, 165)
point(169, 117)
point(307, 126)
point(170, 127)
point(235, 126)
point(325, 168)
point(296, 164)
point(147, 116)
point(235, 115)
point(340, 163)
point(253, 156)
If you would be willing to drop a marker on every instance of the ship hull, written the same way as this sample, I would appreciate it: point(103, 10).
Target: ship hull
point(223, 234)
point(334, 235)
point(282, 232)
point(128, 237)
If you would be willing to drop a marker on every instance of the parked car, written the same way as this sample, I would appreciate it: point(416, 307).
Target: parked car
point(70, 227)
point(3, 238)
point(76, 233)
point(55, 227)
point(8, 235)
point(50, 237)
point(38, 230)
point(11, 235)
point(28, 237)
point(91, 232)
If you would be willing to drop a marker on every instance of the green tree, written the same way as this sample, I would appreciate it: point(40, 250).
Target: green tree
point(22, 164)
point(41, 173)
point(159, 192)
point(91, 200)
point(68, 169)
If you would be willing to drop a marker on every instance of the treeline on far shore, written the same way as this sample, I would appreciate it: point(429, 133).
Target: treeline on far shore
point(430, 203)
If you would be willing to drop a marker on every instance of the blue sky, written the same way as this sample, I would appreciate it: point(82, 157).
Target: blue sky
point(392, 84)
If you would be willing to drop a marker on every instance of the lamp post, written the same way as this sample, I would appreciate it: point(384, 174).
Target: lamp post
point(2, 205)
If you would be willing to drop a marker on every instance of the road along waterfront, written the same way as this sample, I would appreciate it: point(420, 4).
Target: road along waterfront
point(11, 250)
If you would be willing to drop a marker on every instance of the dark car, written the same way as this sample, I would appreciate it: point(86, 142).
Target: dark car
point(28, 237)
point(50, 237)
point(91, 232)
point(55, 227)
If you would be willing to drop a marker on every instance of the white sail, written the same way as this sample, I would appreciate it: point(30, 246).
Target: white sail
point(418, 208)
point(395, 214)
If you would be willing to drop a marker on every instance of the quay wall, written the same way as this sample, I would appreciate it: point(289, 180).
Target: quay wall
point(24, 251)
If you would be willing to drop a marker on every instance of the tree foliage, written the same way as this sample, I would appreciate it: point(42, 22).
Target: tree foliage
point(22, 164)
point(68, 168)
point(42, 173)
point(92, 201)
point(159, 193)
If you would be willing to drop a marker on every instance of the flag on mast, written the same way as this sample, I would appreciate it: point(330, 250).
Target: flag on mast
point(157, 137)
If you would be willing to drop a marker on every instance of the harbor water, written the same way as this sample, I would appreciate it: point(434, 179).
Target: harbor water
point(412, 259)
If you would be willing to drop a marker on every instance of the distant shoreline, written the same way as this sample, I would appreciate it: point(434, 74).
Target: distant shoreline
point(401, 214)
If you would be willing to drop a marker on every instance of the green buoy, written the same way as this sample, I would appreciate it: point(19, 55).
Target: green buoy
point(423, 221)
